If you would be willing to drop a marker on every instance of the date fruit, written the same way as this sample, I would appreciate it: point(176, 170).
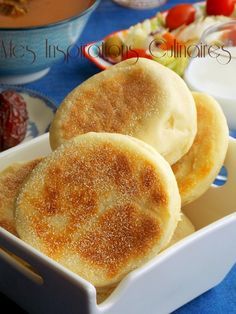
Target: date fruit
point(13, 119)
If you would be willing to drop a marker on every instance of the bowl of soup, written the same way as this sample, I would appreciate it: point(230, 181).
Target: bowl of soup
point(35, 34)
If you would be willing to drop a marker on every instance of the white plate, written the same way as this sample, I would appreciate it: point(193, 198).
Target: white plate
point(93, 50)
point(40, 109)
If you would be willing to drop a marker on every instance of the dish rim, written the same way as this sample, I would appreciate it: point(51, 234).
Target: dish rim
point(31, 92)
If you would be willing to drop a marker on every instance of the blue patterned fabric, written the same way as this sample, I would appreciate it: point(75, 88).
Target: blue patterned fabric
point(64, 77)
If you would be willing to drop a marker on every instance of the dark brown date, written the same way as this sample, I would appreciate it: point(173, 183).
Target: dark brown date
point(13, 119)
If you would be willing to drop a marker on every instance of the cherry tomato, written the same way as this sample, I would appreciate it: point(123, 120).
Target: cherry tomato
point(182, 14)
point(220, 7)
point(170, 42)
point(136, 53)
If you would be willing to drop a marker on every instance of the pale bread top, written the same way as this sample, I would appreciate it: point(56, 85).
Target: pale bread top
point(139, 98)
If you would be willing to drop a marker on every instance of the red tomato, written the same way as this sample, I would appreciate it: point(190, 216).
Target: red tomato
point(136, 53)
point(220, 7)
point(182, 14)
point(170, 42)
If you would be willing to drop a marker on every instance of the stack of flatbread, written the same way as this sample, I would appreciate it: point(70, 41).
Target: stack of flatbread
point(131, 146)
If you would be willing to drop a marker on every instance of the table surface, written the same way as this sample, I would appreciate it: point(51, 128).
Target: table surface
point(63, 78)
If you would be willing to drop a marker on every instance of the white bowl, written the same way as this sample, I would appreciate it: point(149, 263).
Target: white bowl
point(228, 104)
point(35, 62)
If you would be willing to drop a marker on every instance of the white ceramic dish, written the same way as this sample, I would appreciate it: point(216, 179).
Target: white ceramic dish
point(40, 109)
point(173, 278)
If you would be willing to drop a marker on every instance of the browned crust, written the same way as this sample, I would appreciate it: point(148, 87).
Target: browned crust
point(100, 110)
point(143, 100)
point(197, 169)
point(102, 202)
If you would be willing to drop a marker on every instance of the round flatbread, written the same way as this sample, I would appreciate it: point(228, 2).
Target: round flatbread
point(102, 205)
point(11, 180)
point(196, 171)
point(140, 98)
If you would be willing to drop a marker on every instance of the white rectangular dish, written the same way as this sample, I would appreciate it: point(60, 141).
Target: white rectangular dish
point(173, 278)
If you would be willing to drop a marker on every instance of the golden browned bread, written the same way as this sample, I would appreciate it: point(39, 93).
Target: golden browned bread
point(102, 204)
point(183, 229)
point(196, 171)
point(139, 98)
point(11, 180)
